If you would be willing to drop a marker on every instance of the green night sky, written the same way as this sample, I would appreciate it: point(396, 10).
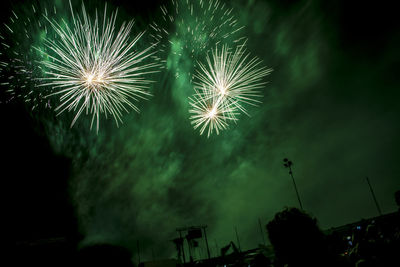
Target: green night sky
point(331, 106)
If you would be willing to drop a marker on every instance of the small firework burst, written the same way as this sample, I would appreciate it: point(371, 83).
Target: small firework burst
point(209, 110)
point(197, 25)
point(94, 67)
point(223, 86)
point(18, 59)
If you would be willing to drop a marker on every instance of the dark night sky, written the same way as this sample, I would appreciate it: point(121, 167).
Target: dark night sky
point(331, 106)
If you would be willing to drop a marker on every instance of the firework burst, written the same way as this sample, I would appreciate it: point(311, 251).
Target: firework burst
point(210, 111)
point(94, 68)
point(223, 86)
point(197, 25)
point(18, 59)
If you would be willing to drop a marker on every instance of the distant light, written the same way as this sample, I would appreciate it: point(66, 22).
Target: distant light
point(212, 112)
point(89, 78)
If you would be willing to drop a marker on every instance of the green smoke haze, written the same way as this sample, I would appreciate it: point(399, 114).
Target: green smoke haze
point(331, 106)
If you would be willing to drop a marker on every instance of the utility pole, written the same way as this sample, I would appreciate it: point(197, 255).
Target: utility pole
point(216, 246)
point(288, 164)
point(237, 237)
point(201, 228)
point(261, 231)
point(183, 245)
point(205, 237)
point(373, 196)
point(138, 250)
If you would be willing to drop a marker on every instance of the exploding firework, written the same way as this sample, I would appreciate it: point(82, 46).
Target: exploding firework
point(192, 27)
point(208, 110)
point(18, 59)
point(94, 68)
point(223, 86)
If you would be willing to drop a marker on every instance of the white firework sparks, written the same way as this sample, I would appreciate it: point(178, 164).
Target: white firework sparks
point(18, 59)
point(199, 25)
point(223, 86)
point(95, 68)
point(209, 110)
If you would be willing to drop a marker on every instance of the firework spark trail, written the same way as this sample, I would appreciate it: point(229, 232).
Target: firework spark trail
point(210, 111)
point(18, 61)
point(96, 71)
point(223, 87)
point(199, 25)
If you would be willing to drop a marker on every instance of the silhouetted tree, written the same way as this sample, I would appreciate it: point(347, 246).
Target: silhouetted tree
point(298, 241)
point(397, 198)
point(261, 261)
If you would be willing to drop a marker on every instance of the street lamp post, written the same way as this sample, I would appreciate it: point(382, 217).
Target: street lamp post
point(374, 197)
point(288, 164)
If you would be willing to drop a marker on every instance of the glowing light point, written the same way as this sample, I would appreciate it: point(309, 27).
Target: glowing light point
point(223, 90)
point(212, 112)
point(89, 78)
